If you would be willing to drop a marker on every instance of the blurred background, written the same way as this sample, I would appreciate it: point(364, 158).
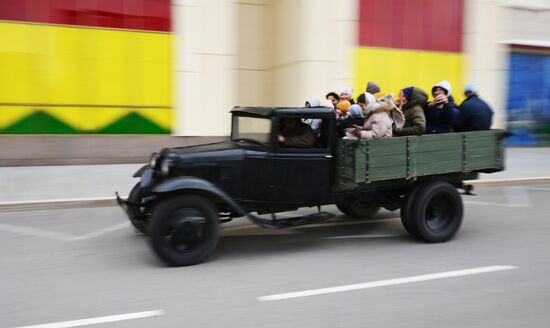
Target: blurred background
point(93, 68)
point(110, 81)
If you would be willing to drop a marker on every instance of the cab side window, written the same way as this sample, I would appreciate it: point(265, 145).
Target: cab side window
point(302, 133)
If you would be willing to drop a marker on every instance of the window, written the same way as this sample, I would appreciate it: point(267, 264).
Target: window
point(298, 132)
point(254, 130)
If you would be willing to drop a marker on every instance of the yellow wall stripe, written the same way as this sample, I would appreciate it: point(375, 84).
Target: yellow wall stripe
point(69, 65)
point(394, 69)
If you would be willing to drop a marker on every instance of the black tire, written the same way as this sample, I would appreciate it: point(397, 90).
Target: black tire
point(356, 209)
point(407, 204)
point(135, 213)
point(184, 230)
point(433, 212)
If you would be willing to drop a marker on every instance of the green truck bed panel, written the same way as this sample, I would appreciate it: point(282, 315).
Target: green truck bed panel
point(366, 161)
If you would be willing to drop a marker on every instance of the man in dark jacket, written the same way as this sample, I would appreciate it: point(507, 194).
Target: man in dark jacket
point(411, 100)
point(474, 113)
point(441, 113)
point(296, 133)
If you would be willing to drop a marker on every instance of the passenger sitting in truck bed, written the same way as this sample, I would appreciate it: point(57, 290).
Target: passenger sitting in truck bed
point(342, 108)
point(333, 97)
point(354, 118)
point(347, 94)
point(314, 123)
point(474, 113)
point(378, 119)
point(411, 100)
point(441, 113)
point(296, 134)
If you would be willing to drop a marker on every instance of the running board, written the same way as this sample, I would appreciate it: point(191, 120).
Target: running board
point(289, 222)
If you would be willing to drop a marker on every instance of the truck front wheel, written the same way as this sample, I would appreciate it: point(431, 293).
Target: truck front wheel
point(357, 209)
point(184, 230)
point(433, 212)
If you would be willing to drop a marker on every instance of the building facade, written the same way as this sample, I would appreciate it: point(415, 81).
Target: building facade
point(161, 67)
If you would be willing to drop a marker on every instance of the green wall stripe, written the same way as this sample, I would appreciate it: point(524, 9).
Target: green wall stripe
point(41, 122)
point(133, 123)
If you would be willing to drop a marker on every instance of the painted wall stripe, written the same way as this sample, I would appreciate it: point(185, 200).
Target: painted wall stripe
point(59, 79)
point(423, 69)
point(389, 282)
point(412, 24)
point(154, 15)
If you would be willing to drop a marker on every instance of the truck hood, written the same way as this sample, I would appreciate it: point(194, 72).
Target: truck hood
point(219, 151)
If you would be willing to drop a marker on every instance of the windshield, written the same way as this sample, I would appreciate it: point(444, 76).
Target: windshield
point(253, 129)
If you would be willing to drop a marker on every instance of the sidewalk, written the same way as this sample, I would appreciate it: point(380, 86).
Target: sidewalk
point(27, 183)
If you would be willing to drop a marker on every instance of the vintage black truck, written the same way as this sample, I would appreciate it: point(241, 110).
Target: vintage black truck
point(185, 193)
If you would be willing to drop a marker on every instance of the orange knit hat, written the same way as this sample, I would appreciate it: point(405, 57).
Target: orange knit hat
point(343, 106)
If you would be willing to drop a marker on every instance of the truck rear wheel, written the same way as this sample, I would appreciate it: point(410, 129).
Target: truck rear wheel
point(358, 209)
point(135, 212)
point(433, 212)
point(184, 230)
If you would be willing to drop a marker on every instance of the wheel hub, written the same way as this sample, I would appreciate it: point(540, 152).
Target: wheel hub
point(187, 230)
point(437, 213)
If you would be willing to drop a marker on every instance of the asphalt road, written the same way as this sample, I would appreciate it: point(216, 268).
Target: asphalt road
point(64, 265)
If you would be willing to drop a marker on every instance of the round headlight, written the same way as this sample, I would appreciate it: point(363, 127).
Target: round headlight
point(165, 167)
point(154, 160)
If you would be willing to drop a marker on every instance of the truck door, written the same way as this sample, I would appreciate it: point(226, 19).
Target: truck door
point(303, 172)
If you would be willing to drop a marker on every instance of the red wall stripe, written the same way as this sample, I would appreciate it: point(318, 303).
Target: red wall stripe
point(153, 15)
point(412, 24)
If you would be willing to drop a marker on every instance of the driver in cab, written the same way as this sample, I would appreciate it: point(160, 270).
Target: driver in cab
point(296, 134)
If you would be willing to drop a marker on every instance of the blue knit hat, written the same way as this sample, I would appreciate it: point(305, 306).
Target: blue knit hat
point(408, 92)
point(355, 111)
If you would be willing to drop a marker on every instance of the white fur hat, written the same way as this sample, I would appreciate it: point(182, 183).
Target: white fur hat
point(313, 102)
point(347, 90)
point(443, 85)
point(371, 102)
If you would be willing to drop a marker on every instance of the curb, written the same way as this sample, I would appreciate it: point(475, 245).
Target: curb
point(58, 204)
point(508, 182)
point(67, 203)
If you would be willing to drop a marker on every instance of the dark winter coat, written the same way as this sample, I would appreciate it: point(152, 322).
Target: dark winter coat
point(474, 114)
point(415, 121)
point(441, 118)
point(348, 122)
point(300, 136)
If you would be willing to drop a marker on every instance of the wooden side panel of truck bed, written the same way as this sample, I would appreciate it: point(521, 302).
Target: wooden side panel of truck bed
point(367, 161)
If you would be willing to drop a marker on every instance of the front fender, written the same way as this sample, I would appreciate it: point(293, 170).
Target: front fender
point(192, 183)
point(139, 172)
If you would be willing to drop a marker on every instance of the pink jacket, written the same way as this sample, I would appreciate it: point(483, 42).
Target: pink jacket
point(378, 124)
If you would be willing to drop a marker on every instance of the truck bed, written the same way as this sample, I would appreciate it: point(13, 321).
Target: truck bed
point(406, 158)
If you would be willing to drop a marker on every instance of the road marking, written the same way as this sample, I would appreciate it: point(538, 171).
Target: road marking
point(364, 236)
point(532, 188)
point(94, 321)
point(515, 197)
point(103, 231)
point(518, 197)
point(52, 235)
point(389, 282)
point(494, 204)
point(257, 231)
point(26, 231)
